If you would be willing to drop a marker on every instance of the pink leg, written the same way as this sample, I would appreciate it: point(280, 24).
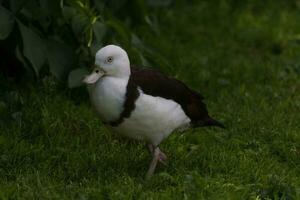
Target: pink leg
point(158, 156)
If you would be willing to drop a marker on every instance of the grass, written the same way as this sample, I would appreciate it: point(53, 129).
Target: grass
point(244, 58)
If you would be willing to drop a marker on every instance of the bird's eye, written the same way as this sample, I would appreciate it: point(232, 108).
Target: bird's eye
point(109, 59)
point(97, 71)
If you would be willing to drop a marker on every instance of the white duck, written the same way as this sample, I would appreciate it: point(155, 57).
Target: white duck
point(142, 104)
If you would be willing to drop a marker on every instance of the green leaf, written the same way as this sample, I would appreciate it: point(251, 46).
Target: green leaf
point(16, 5)
point(121, 29)
point(68, 12)
point(79, 24)
point(138, 11)
point(137, 42)
point(33, 47)
point(61, 58)
point(100, 31)
point(32, 11)
point(76, 76)
point(6, 23)
point(21, 58)
point(159, 3)
point(51, 7)
point(99, 5)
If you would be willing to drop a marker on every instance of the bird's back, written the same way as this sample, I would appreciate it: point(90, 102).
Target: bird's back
point(155, 83)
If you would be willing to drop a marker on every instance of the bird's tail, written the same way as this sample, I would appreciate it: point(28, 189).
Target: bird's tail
point(212, 122)
point(208, 121)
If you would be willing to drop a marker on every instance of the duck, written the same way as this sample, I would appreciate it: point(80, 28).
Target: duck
point(143, 104)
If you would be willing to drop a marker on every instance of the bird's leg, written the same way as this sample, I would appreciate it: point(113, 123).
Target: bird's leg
point(153, 163)
point(162, 158)
point(158, 156)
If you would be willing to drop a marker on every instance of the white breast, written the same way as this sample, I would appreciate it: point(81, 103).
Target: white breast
point(108, 96)
point(153, 119)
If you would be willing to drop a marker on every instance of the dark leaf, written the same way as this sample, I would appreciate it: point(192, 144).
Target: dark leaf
point(21, 58)
point(50, 7)
point(99, 30)
point(6, 22)
point(16, 5)
point(76, 76)
point(68, 12)
point(120, 28)
point(138, 11)
point(99, 5)
point(33, 47)
point(60, 57)
point(137, 42)
point(159, 3)
point(79, 24)
point(116, 5)
point(32, 10)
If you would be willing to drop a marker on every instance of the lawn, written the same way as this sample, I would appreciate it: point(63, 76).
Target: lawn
point(244, 58)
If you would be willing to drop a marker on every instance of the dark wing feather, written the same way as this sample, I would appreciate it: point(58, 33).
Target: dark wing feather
point(155, 83)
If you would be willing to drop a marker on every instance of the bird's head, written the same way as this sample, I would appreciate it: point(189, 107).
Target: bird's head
point(110, 60)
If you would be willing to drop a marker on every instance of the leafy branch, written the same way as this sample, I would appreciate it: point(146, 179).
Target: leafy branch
point(63, 35)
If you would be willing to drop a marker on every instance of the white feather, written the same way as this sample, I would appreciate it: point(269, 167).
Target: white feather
point(108, 96)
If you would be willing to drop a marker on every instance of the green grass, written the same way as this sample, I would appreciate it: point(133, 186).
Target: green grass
point(244, 59)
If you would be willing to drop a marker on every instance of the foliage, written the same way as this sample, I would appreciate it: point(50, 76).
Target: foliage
point(65, 34)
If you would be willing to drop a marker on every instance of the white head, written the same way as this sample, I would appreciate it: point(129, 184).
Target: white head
point(110, 60)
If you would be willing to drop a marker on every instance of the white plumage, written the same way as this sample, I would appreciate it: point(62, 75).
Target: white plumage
point(107, 96)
